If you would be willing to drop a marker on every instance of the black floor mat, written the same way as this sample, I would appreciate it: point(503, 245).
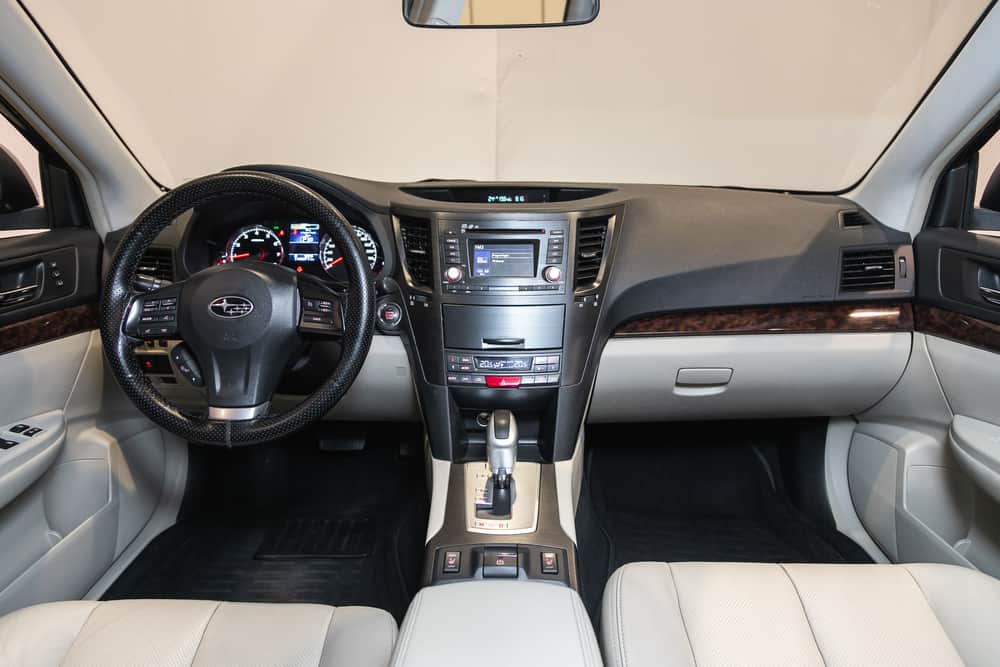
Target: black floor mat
point(291, 523)
point(318, 538)
point(695, 492)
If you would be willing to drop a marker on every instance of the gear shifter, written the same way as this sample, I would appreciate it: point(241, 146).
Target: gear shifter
point(501, 453)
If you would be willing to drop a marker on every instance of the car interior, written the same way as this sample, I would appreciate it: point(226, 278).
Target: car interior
point(506, 332)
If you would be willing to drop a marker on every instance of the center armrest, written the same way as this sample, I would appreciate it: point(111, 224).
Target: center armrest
point(517, 622)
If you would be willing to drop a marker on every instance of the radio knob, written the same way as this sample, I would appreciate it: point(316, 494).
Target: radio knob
point(453, 274)
point(552, 274)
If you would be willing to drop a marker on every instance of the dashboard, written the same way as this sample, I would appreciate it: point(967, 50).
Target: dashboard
point(508, 295)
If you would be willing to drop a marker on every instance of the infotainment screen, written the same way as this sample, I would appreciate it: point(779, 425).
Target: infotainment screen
point(503, 259)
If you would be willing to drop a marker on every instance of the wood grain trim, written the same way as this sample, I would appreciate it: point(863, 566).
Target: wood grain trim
point(807, 318)
point(958, 327)
point(44, 328)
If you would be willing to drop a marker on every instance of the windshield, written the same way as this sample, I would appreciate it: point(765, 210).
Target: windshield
point(780, 94)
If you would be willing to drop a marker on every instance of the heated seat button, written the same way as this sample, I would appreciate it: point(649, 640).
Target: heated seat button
point(550, 562)
point(503, 381)
point(452, 562)
point(500, 562)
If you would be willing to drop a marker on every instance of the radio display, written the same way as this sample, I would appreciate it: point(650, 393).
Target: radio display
point(503, 363)
point(493, 259)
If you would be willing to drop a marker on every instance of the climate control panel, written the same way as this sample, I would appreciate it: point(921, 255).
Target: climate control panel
point(503, 371)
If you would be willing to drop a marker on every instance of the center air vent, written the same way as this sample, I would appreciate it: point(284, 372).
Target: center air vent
point(591, 244)
point(415, 234)
point(157, 262)
point(868, 270)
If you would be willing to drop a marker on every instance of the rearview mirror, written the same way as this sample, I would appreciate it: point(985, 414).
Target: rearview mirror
point(498, 13)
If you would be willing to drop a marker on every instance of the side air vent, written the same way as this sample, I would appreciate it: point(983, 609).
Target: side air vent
point(591, 243)
point(415, 234)
point(157, 262)
point(868, 270)
point(853, 219)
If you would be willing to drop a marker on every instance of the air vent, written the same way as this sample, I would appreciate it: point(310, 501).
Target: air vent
point(415, 233)
point(853, 219)
point(868, 270)
point(591, 242)
point(157, 262)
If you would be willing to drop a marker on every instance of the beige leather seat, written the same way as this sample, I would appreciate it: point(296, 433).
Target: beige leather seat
point(189, 632)
point(754, 614)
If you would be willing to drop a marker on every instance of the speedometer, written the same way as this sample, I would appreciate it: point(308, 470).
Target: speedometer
point(256, 243)
point(333, 260)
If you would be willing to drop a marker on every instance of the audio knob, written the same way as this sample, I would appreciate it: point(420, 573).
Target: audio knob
point(552, 274)
point(453, 274)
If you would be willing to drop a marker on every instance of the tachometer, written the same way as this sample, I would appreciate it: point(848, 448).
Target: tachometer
point(333, 260)
point(256, 243)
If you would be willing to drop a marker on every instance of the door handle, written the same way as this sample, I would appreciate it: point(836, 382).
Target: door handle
point(989, 286)
point(21, 285)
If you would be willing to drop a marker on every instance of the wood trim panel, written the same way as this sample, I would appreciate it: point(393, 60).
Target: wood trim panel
point(958, 327)
point(44, 328)
point(806, 318)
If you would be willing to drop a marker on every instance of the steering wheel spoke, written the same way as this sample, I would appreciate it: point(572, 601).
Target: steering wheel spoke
point(154, 314)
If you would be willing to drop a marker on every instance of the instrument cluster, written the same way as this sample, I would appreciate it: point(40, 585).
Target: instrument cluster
point(299, 244)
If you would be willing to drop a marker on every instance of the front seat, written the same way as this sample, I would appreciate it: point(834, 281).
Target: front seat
point(746, 613)
point(179, 633)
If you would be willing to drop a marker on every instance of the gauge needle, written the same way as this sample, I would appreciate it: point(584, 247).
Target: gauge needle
point(337, 261)
point(241, 256)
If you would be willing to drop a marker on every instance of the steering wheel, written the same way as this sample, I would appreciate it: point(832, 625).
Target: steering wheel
point(241, 322)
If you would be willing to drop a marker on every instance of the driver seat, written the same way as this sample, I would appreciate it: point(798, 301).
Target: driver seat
point(195, 632)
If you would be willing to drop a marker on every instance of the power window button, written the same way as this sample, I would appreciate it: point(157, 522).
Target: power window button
point(32, 432)
point(19, 428)
point(452, 562)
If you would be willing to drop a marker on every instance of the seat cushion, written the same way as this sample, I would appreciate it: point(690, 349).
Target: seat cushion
point(764, 614)
point(193, 632)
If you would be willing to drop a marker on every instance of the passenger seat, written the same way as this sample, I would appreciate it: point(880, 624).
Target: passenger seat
point(746, 613)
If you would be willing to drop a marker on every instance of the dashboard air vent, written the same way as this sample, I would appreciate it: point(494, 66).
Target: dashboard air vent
point(415, 234)
point(868, 270)
point(591, 243)
point(853, 219)
point(157, 262)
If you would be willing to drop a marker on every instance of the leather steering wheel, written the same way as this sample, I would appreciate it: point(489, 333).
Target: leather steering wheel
point(243, 322)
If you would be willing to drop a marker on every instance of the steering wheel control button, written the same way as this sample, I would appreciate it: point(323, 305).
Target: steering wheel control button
point(550, 562)
point(452, 562)
point(552, 274)
point(500, 563)
point(186, 364)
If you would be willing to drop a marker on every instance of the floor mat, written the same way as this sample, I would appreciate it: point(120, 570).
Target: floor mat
point(694, 492)
point(292, 523)
point(318, 538)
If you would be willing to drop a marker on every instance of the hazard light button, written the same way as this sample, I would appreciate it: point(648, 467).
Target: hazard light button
point(502, 381)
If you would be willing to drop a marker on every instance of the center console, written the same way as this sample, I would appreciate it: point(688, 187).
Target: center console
point(501, 308)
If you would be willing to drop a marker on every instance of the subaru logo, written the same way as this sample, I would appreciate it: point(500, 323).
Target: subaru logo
point(231, 307)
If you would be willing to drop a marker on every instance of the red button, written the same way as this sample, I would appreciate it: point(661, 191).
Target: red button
point(500, 381)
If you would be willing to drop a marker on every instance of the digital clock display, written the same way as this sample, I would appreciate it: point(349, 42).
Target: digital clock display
point(536, 196)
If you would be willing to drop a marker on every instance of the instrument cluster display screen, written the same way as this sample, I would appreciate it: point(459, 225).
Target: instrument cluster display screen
point(303, 242)
point(492, 259)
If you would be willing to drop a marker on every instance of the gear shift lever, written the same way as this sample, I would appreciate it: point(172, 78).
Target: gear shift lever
point(501, 453)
